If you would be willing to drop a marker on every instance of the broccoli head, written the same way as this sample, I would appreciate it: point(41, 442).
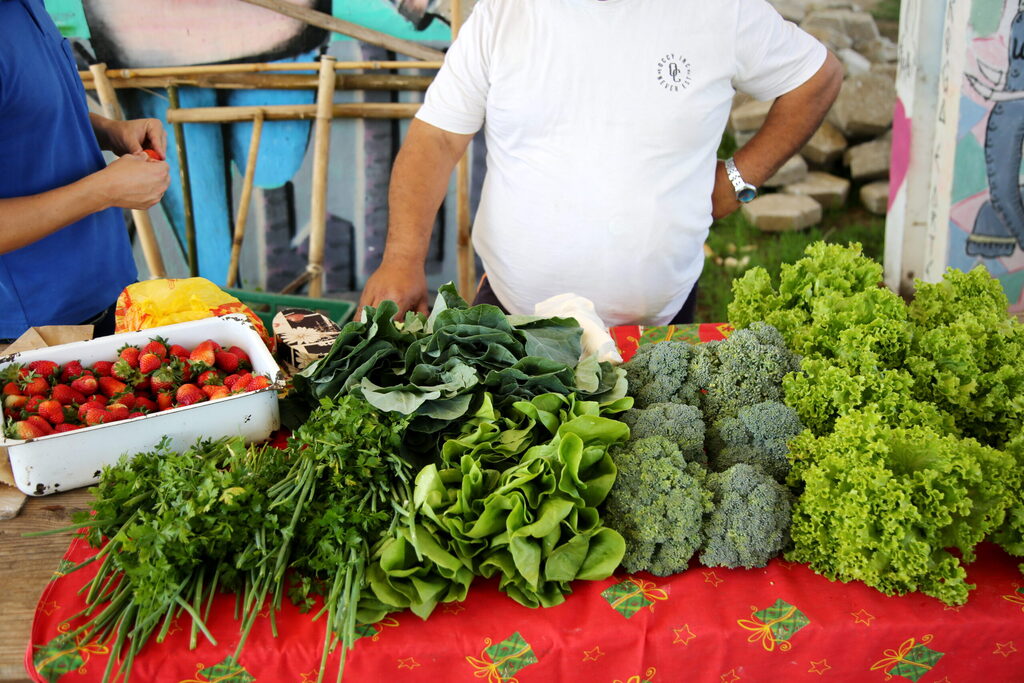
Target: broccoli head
point(659, 373)
point(658, 504)
point(749, 524)
point(757, 435)
point(745, 369)
point(679, 423)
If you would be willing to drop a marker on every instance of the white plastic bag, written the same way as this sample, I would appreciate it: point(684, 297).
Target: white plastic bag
point(596, 339)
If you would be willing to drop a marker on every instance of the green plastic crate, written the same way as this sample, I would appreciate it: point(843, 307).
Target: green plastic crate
point(266, 304)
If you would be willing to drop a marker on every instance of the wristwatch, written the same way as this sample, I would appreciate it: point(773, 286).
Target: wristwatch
point(744, 190)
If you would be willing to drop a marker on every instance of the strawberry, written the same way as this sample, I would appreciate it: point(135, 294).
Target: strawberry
point(143, 385)
point(178, 351)
point(215, 391)
point(32, 404)
point(204, 355)
point(15, 401)
point(111, 386)
point(80, 398)
point(149, 362)
point(12, 389)
point(145, 405)
point(188, 394)
point(165, 378)
point(102, 368)
point(156, 346)
point(125, 372)
point(11, 373)
point(210, 377)
point(87, 406)
point(165, 400)
point(24, 429)
point(86, 385)
point(230, 380)
point(243, 358)
point(129, 354)
point(65, 427)
point(259, 382)
point(96, 416)
point(35, 385)
point(118, 411)
point(153, 154)
point(70, 370)
point(63, 394)
point(52, 411)
point(41, 423)
point(44, 368)
point(135, 414)
point(226, 361)
point(127, 398)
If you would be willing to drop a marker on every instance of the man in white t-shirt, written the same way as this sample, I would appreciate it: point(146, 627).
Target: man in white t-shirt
point(602, 120)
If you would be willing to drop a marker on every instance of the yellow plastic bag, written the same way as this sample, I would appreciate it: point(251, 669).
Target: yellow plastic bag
point(153, 303)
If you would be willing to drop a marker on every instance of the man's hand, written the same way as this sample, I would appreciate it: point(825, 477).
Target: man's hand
point(133, 182)
point(129, 137)
point(406, 286)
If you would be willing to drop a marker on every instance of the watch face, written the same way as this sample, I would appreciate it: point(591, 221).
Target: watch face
point(746, 194)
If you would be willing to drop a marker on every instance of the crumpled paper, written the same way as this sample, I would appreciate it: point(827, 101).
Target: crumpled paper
point(597, 341)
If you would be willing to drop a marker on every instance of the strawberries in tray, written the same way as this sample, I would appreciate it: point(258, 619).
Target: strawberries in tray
point(45, 397)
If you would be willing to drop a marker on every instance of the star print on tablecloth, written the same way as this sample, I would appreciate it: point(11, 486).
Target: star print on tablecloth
point(309, 677)
point(49, 607)
point(819, 667)
point(592, 655)
point(863, 617)
point(453, 608)
point(409, 663)
point(683, 635)
point(944, 679)
point(712, 578)
point(786, 565)
point(730, 676)
point(1005, 649)
point(952, 608)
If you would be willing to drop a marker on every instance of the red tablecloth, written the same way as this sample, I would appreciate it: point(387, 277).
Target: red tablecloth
point(779, 623)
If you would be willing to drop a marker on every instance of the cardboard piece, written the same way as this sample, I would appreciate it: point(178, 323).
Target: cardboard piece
point(33, 338)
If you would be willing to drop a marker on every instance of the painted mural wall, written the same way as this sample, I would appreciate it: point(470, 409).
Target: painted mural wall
point(986, 217)
point(147, 33)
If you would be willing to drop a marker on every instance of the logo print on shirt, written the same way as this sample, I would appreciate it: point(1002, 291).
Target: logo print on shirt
point(674, 73)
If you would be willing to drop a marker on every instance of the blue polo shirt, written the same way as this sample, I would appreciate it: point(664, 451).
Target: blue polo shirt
point(47, 141)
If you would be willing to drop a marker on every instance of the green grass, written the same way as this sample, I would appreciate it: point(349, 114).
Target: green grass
point(735, 237)
point(887, 10)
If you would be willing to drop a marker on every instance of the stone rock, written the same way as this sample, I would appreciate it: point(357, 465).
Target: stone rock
point(864, 107)
point(828, 190)
point(875, 197)
point(791, 10)
point(834, 39)
point(854, 63)
point(749, 116)
point(880, 50)
point(859, 26)
point(869, 160)
point(825, 147)
point(888, 70)
point(793, 171)
point(782, 212)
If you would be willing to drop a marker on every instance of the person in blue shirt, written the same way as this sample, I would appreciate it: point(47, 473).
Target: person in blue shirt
point(64, 249)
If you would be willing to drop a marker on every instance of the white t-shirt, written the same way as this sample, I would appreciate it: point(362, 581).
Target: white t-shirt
point(603, 120)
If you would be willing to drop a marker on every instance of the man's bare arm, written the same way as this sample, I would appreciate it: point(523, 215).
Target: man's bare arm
point(419, 182)
point(791, 122)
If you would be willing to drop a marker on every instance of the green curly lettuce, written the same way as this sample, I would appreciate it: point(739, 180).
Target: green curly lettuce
point(884, 505)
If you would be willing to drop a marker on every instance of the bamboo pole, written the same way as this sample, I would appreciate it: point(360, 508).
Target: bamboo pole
point(326, 21)
point(143, 225)
point(243, 202)
point(465, 261)
point(321, 150)
point(186, 184)
point(270, 81)
point(281, 112)
point(256, 67)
